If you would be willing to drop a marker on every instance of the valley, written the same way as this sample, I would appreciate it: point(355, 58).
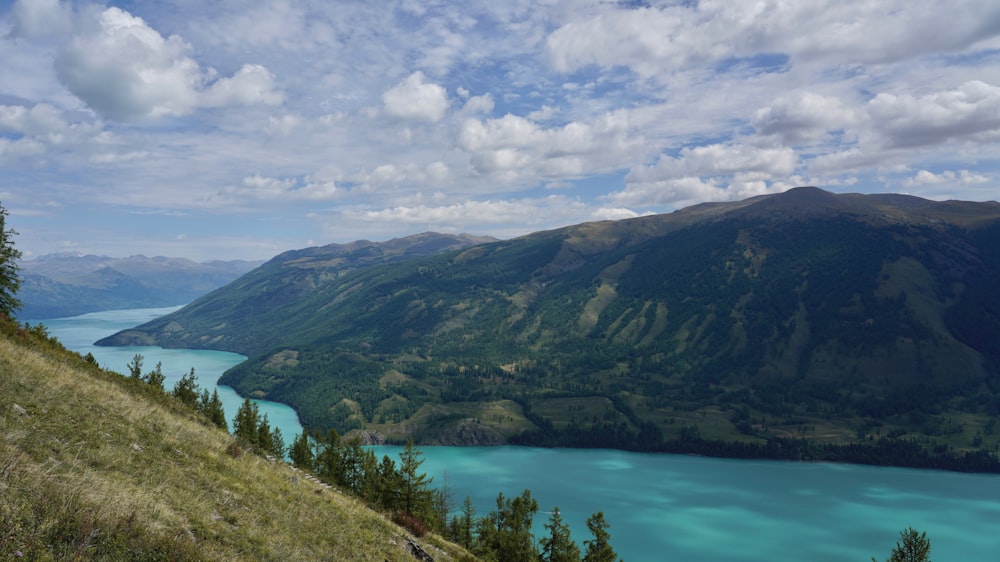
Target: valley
point(804, 325)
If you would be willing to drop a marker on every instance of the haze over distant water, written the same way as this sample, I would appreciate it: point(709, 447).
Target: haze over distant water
point(661, 507)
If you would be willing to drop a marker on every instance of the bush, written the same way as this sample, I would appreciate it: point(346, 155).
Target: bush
point(410, 522)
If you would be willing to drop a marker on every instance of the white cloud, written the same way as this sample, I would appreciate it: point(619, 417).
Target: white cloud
point(720, 160)
point(479, 104)
point(654, 41)
point(519, 214)
point(41, 119)
point(964, 177)
point(513, 148)
point(125, 70)
point(802, 117)
point(908, 121)
point(416, 99)
point(251, 85)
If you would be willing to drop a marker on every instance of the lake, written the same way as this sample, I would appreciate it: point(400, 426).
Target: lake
point(660, 507)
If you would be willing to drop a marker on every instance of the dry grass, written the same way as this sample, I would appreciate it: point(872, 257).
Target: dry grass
point(94, 469)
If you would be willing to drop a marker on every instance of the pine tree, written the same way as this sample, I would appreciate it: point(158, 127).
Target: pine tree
point(155, 378)
point(211, 407)
point(599, 549)
point(914, 547)
point(277, 443)
point(416, 497)
point(245, 423)
point(135, 367)
point(10, 280)
point(263, 438)
point(466, 523)
point(505, 534)
point(301, 451)
point(186, 389)
point(559, 545)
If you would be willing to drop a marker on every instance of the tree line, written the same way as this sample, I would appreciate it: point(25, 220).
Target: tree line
point(503, 534)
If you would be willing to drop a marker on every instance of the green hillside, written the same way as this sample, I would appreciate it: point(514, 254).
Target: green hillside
point(802, 325)
point(94, 466)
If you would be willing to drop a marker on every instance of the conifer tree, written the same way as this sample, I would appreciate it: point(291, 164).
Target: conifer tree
point(559, 545)
point(301, 451)
point(263, 438)
point(245, 423)
point(466, 523)
point(505, 534)
point(186, 389)
point(135, 367)
point(277, 443)
point(155, 378)
point(416, 498)
point(912, 546)
point(388, 484)
point(10, 280)
point(599, 549)
point(211, 407)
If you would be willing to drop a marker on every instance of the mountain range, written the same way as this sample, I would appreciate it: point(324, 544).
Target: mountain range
point(59, 285)
point(829, 320)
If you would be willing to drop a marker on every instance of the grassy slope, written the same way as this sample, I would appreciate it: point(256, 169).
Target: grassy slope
point(94, 467)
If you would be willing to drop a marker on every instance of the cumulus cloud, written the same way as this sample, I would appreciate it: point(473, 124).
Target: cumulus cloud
point(964, 177)
point(416, 99)
point(513, 147)
point(251, 85)
point(802, 117)
point(908, 121)
point(657, 41)
point(720, 160)
point(125, 70)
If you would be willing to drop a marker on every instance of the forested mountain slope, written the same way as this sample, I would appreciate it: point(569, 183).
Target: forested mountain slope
point(833, 318)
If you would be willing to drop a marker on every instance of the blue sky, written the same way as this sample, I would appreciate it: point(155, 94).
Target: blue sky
point(234, 129)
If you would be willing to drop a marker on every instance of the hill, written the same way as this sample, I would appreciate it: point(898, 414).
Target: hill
point(804, 324)
point(61, 285)
point(95, 466)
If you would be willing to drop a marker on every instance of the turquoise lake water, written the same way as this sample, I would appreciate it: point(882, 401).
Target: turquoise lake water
point(660, 507)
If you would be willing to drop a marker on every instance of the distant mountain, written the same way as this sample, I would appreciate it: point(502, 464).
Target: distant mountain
point(723, 328)
point(61, 285)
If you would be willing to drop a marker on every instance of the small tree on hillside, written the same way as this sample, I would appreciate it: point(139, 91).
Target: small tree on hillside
point(301, 451)
point(245, 423)
point(599, 549)
point(416, 497)
point(559, 545)
point(186, 389)
point(911, 547)
point(211, 406)
point(156, 378)
point(135, 367)
point(10, 281)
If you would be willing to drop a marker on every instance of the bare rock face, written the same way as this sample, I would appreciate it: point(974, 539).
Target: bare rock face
point(371, 438)
point(469, 432)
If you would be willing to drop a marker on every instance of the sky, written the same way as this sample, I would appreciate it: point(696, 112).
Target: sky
point(238, 129)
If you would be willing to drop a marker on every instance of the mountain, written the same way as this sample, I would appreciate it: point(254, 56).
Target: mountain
point(60, 285)
point(806, 317)
point(94, 466)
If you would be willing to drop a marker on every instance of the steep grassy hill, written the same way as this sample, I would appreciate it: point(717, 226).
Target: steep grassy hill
point(836, 319)
point(96, 467)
